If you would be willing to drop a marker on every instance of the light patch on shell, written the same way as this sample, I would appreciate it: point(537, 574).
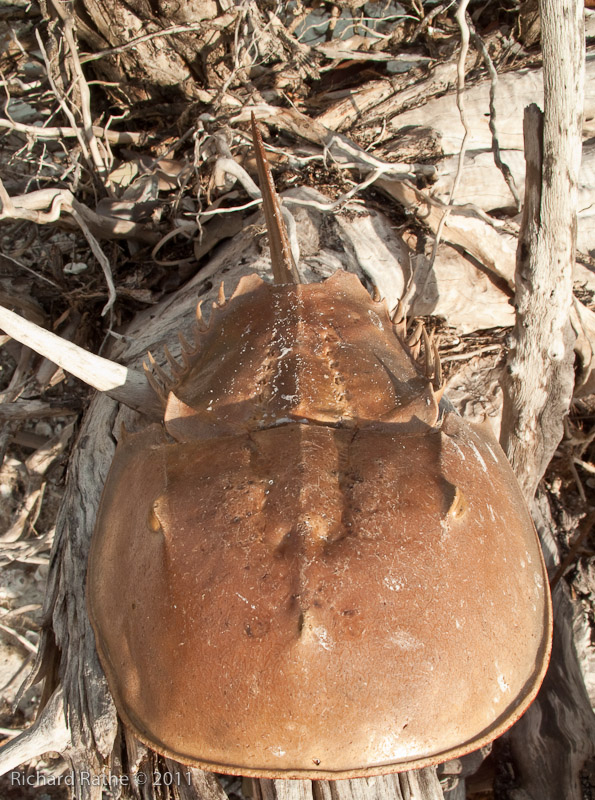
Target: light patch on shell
point(245, 599)
point(390, 747)
point(393, 584)
point(494, 456)
point(318, 634)
point(387, 746)
point(460, 452)
point(406, 640)
point(375, 319)
point(479, 457)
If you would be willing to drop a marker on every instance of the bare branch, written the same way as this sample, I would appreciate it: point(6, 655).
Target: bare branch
point(85, 95)
point(123, 384)
point(540, 378)
point(100, 256)
point(32, 207)
point(464, 28)
point(67, 132)
point(146, 37)
point(502, 166)
point(48, 733)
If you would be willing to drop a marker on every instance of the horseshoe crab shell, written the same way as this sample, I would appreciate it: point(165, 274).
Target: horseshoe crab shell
point(313, 569)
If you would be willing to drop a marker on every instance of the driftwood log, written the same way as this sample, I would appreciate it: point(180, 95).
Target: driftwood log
point(555, 739)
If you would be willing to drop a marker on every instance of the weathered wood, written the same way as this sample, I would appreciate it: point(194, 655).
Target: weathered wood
point(481, 181)
point(371, 97)
point(553, 740)
point(283, 790)
point(539, 378)
point(415, 785)
point(194, 783)
point(106, 376)
point(483, 186)
point(515, 91)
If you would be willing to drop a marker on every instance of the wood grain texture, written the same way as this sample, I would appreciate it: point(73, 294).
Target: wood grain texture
point(553, 741)
point(540, 375)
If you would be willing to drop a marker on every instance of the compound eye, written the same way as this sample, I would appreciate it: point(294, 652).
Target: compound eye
point(459, 506)
point(152, 519)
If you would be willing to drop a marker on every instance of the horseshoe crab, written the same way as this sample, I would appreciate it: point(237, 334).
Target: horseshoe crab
point(344, 579)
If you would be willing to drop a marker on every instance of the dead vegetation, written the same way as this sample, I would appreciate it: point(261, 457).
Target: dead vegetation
point(127, 171)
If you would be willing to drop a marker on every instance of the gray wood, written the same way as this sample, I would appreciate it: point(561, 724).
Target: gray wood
point(552, 742)
point(540, 376)
point(555, 738)
point(285, 790)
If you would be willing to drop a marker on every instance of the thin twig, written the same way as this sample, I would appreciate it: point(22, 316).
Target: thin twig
point(99, 255)
point(20, 639)
point(502, 166)
point(471, 353)
point(460, 17)
point(124, 384)
point(85, 58)
point(30, 207)
point(61, 100)
point(25, 268)
point(585, 528)
point(67, 132)
point(586, 465)
point(85, 109)
point(429, 17)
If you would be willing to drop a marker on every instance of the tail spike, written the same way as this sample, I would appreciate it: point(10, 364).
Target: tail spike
point(284, 268)
point(221, 295)
point(376, 296)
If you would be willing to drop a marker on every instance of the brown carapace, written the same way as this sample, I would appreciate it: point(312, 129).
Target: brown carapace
point(314, 568)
